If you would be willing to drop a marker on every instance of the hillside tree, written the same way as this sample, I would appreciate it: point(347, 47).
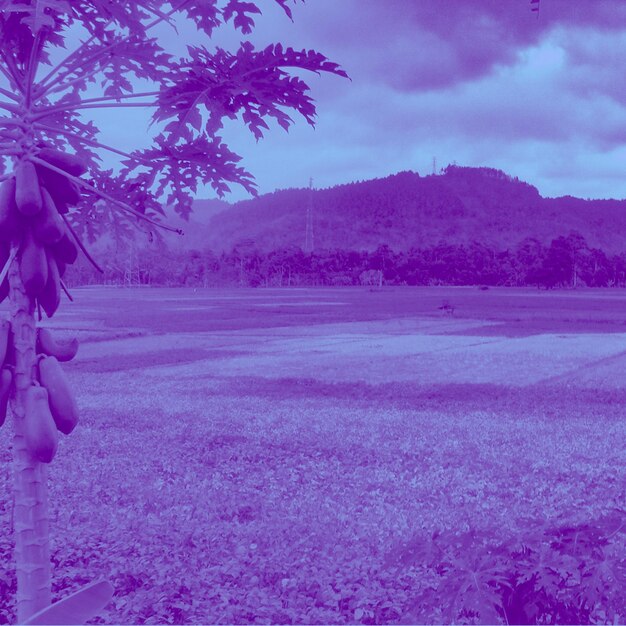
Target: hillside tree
point(56, 197)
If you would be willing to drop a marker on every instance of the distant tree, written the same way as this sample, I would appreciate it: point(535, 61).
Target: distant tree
point(283, 264)
point(382, 260)
point(507, 268)
point(190, 98)
point(448, 264)
point(369, 278)
point(581, 256)
point(162, 263)
point(618, 264)
point(530, 254)
point(482, 264)
point(193, 270)
point(413, 267)
point(598, 272)
point(558, 265)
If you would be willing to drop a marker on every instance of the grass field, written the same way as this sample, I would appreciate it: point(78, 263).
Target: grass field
point(264, 456)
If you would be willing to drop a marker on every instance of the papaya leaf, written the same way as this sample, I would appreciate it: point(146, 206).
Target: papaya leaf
point(250, 83)
point(180, 168)
point(285, 7)
point(39, 14)
point(195, 94)
point(78, 607)
point(241, 11)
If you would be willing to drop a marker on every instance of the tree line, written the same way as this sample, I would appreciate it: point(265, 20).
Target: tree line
point(568, 262)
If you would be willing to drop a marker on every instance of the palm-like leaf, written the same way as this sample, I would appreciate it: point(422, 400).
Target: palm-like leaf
point(253, 84)
point(78, 607)
point(38, 14)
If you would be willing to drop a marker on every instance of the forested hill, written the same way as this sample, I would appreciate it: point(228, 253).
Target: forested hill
point(407, 210)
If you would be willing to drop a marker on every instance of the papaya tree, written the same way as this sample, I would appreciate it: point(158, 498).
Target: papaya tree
point(56, 198)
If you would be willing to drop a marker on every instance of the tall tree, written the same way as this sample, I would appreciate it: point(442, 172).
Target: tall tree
point(55, 192)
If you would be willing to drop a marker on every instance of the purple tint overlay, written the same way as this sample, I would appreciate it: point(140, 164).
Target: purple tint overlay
point(312, 455)
point(367, 455)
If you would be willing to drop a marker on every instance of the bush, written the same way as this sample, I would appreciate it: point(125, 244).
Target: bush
point(565, 574)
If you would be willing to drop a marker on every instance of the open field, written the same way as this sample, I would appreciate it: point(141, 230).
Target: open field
point(265, 455)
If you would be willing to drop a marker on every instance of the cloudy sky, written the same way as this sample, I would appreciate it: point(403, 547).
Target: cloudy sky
point(476, 82)
point(479, 82)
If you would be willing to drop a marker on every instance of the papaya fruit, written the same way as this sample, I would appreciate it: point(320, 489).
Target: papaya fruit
point(5, 329)
point(50, 297)
point(63, 190)
point(60, 397)
point(61, 206)
point(64, 161)
point(6, 377)
point(48, 226)
point(33, 266)
point(27, 192)
point(65, 250)
point(10, 222)
point(48, 345)
point(72, 196)
point(9, 359)
point(39, 427)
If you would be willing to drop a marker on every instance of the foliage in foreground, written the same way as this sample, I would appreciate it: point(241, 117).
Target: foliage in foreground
point(231, 524)
point(191, 98)
point(563, 574)
point(275, 500)
point(550, 574)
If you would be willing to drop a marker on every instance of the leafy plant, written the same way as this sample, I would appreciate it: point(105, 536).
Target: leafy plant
point(551, 573)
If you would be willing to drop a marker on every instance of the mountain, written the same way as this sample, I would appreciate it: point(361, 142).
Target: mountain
point(195, 230)
point(204, 210)
point(404, 210)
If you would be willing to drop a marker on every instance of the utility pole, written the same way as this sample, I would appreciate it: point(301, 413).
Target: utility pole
point(434, 166)
point(128, 270)
point(308, 241)
point(132, 272)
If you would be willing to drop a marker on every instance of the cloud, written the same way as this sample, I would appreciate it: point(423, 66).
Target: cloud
point(482, 83)
point(596, 63)
point(525, 118)
point(422, 45)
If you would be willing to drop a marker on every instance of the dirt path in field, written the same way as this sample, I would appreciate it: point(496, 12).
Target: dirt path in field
point(342, 336)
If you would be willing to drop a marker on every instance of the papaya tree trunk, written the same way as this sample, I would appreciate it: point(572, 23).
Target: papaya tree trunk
point(30, 488)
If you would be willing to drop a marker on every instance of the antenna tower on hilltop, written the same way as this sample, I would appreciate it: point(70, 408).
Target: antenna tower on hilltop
point(434, 166)
point(308, 241)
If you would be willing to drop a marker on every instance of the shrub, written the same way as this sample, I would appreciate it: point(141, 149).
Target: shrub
point(566, 574)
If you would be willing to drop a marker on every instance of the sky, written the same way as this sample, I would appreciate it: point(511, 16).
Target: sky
point(478, 83)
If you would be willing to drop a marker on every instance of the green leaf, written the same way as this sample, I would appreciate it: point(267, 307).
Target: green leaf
point(76, 608)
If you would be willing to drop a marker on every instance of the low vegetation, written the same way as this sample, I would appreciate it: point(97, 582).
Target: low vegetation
point(568, 262)
point(240, 494)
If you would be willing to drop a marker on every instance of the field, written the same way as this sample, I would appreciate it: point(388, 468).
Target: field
point(285, 456)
